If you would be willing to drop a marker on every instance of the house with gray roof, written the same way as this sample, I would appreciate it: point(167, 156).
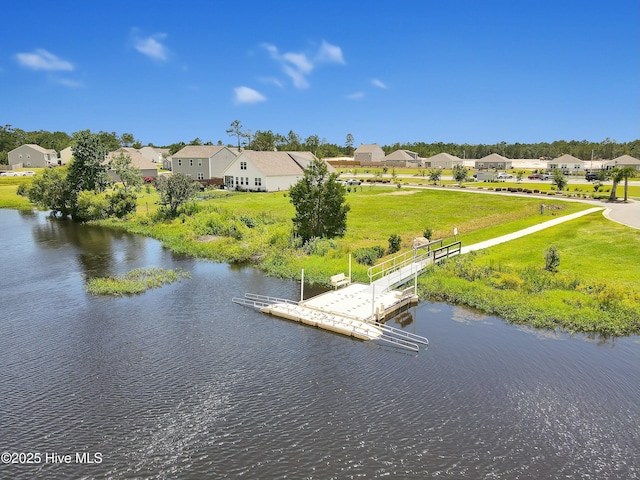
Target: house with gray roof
point(369, 153)
point(31, 155)
point(205, 163)
point(568, 164)
point(622, 161)
point(403, 158)
point(493, 161)
point(148, 169)
point(266, 171)
point(443, 161)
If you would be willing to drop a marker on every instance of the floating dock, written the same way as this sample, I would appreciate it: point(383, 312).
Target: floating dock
point(357, 309)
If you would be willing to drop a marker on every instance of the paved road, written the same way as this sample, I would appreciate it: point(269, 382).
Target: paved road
point(625, 213)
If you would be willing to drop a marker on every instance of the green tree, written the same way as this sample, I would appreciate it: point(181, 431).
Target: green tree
point(175, 190)
point(236, 131)
point(51, 190)
point(459, 173)
point(627, 172)
point(348, 145)
point(320, 203)
point(559, 180)
point(434, 175)
point(88, 170)
point(127, 139)
point(128, 173)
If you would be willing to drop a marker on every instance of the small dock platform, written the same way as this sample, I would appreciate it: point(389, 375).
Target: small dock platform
point(358, 310)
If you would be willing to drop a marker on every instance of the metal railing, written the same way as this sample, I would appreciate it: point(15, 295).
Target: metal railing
point(412, 257)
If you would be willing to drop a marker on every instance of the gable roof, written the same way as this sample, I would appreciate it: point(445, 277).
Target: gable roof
point(137, 159)
point(37, 148)
point(368, 148)
point(566, 158)
point(494, 157)
point(400, 154)
point(274, 163)
point(200, 151)
point(444, 157)
point(624, 160)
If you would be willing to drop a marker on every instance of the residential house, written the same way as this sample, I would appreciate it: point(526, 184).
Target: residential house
point(623, 161)
point(266, 171)
point(568, 164)
point(369, 153)
point(205, 163)
point(403, 158)
point(443, 161)
point(148, 169)
point(32, 156)
point(493, 161)
point(156, 155)
point(66, 155)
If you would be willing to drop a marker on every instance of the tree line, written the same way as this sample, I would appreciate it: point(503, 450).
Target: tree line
point(263, 140)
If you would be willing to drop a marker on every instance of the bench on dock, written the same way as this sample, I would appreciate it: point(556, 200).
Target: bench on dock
point(339, 280)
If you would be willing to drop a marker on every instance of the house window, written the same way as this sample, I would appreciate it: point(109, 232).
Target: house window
point(228, 180)
point(179, 162)
point(243, 165)
point(200, 176)
point(258, 182)
point(199, 162)
point(191, 162)
point(241, 180)
point(237, 182)
point(246, 180)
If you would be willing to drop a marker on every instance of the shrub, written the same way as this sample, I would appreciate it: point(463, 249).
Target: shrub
point(394, 243)
point(368, 255)
point(428, 233)
point(551, 259)
point(91, 206)
point(121, 203)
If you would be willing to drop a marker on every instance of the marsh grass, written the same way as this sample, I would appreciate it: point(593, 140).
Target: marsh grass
point(595, 289)
point(134, 282)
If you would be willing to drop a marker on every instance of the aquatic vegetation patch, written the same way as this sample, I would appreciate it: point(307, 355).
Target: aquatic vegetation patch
point(135, 282)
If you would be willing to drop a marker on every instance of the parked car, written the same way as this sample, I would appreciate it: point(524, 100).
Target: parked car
point(534, 176)
point(8, 174)
point(504, 176)
point(590, 177)
point(353, 182)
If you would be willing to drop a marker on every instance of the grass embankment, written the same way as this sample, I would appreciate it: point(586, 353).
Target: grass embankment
point(134, 282)
point(595, 291)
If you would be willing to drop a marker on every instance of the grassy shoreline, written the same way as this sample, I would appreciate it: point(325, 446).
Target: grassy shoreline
point(585, 296)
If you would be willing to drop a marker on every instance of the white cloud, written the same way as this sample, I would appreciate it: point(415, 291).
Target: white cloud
point(377, 83)
point(272, 80)
point(43, 60)
point(355, 96)
point(299, 65)
point(67, 82)
point(152, 46)
point(248, 95)
point(330, 54)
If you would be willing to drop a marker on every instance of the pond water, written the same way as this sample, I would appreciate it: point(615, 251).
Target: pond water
point(179, 382)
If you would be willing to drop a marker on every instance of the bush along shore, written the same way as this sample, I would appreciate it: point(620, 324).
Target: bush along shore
point(509, 280)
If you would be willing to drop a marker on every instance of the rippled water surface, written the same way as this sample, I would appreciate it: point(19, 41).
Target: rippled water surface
point(180, 383)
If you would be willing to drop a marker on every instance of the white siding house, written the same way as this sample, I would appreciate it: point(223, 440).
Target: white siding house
point(267, 171)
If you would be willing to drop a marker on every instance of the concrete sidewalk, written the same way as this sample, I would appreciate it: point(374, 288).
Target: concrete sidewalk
point(527, 231)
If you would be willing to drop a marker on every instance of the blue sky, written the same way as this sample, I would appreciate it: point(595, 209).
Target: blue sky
point(464, 71)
